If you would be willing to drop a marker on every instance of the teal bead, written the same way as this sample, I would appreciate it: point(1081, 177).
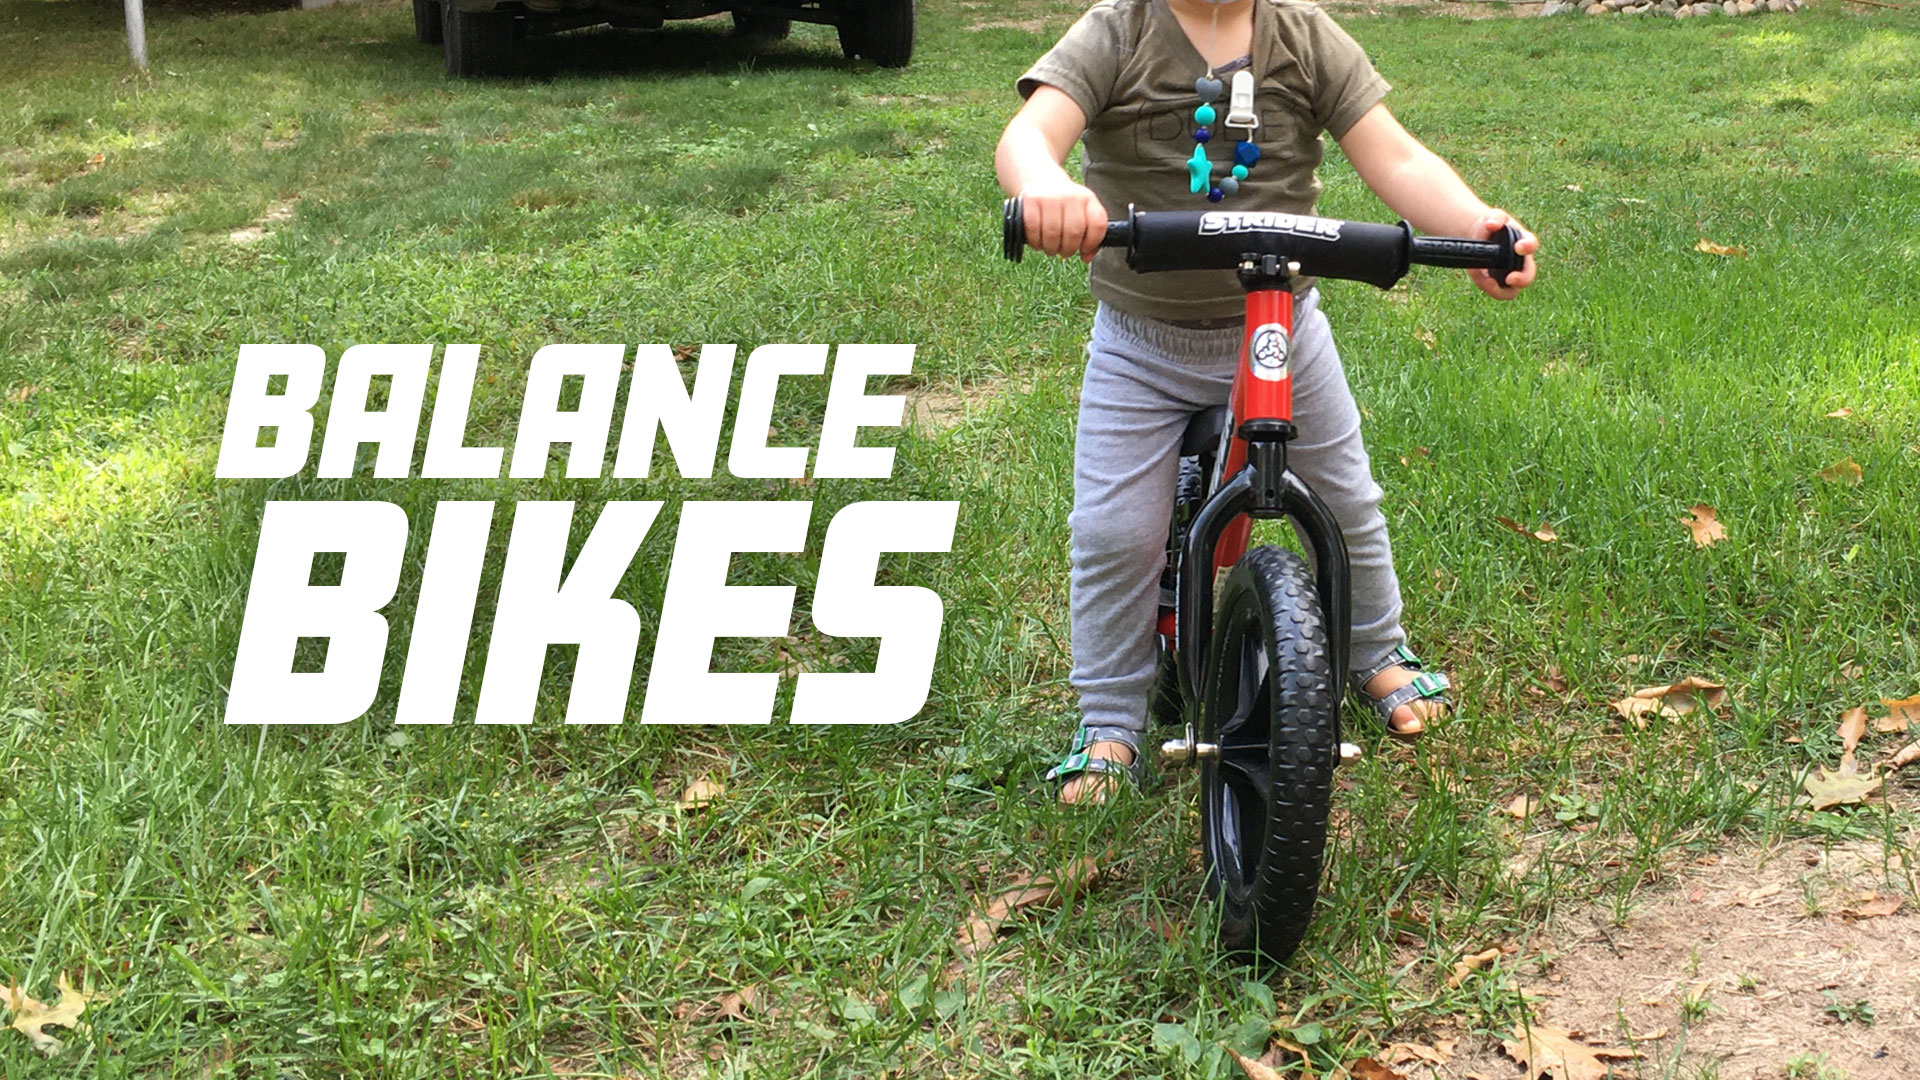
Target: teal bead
point(1199, 170)
point(1239, 172)
point(1203, 115)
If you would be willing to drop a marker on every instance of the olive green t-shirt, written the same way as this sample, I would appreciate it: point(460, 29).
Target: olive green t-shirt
point(1131, 69)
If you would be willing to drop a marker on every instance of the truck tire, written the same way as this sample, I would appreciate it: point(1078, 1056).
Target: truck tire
point(477, 42)
point(880, 30)
point(748, 24)
point(427, 28)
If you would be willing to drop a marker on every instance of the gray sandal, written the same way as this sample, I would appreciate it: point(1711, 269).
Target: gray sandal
point(1080, 760)
point(1426, 686)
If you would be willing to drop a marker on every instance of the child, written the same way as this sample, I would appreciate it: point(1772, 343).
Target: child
point(1130, 79)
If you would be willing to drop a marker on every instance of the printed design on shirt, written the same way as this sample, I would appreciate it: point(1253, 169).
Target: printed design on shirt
point(1270, 350)
point(1164, 131)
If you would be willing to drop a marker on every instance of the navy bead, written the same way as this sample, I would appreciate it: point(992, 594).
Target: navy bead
point(1201, 135)
point(1215, 195)
point(1246, 154)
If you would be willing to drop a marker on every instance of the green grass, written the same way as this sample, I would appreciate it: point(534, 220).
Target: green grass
point(344, 902)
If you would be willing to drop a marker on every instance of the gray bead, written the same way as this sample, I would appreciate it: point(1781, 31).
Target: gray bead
point(1208, 89)
point(1228, 185)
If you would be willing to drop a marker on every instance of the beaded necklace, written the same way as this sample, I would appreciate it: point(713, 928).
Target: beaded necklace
point(1240, 116)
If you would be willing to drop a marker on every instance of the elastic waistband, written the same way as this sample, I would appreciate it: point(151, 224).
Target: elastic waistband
point(1188, 342)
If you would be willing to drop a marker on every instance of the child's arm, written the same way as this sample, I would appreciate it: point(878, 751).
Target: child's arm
point(1419, 185)
point(1063, 218)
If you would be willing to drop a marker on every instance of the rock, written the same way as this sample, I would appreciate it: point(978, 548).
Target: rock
point(1599, 9)
point(1777, 6)
point(1554, 7)
point(1717, 7)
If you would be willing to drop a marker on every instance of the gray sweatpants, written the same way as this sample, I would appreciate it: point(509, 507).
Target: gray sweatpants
point(1144, 380)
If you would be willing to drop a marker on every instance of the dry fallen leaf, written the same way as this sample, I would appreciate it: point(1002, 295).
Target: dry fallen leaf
point(736, 1005)
point(1656, 1033)
point(1255, 1070)
point(985, 923)
point(1759, 894)
point(1545, 533)
point(701, 793)
point(1845, 471)
point(1904, 757)
point(31, 1018)
point(1439, 1053)
point(1853, 724)
point(1874, 907)
point(1841, 787)
point(1901, 715)
point(1523, 806)
point(1470, 964)
point(1548, 1051)
point(1369, 1069)
point(1712, 248)
point(1676, 699)
point(22, 393)
point(1840, 414)
point(1704, 522)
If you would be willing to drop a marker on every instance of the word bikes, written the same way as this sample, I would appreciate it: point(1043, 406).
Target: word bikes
point(545, 599)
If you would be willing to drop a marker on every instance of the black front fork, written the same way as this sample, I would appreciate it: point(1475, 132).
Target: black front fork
point(1264, 490)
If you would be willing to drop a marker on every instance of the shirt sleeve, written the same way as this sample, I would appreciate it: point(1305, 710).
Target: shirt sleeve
point(1085, 64)
point(1345, 85)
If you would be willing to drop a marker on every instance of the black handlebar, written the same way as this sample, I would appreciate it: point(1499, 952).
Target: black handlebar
point(1379, 255)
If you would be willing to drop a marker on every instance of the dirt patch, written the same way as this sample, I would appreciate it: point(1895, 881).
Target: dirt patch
point(1743, 967)
point(277, 213)
point(940, 408)
point(1032, 26)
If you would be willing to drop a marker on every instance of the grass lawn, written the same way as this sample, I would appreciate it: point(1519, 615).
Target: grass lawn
point(361, 901)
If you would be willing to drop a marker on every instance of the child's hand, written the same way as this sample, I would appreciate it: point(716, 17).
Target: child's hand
point(1063, 218)
point(1492, 223)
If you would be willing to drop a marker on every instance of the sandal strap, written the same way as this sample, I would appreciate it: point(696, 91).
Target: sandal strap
point(1079, 760)
point(1401, 656)
point(1427, 685)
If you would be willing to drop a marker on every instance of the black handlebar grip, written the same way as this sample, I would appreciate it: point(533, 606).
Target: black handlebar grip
point(1511, 261)
point(1013, 230)
point(1494, 254)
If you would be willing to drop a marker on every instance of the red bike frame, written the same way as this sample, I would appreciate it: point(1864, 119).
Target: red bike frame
point(1253, 482)
point(1259, 395)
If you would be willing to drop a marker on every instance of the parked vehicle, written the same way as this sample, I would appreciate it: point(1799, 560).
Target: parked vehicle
point(478, 37)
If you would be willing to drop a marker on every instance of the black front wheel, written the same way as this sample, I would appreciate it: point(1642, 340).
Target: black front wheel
point(1269, 706)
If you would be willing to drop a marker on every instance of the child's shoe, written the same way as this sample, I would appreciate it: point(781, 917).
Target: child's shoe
point(1421, 686)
